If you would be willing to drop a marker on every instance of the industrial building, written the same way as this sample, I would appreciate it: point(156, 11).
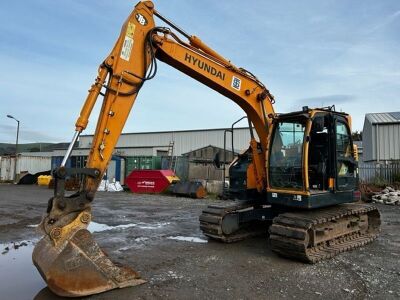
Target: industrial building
point(381, 137)
point(133, 150)
point(157, 143)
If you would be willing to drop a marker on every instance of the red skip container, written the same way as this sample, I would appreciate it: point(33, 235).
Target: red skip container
point(150, 181)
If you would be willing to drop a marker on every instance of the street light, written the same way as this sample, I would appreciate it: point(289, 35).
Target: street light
point(16, 149)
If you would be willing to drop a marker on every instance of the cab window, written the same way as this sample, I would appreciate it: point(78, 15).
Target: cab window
point(285, 161)
point(344, 157)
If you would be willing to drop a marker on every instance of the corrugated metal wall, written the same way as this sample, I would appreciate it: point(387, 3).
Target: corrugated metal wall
point(368, 149)
point(185, 141)
point(31, 164)
point(135, 152)
point(145, 151)
point(381, 142)
point(207, 154)
point(6, 168)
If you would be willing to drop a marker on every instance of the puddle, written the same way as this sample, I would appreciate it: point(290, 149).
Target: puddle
point(99, 227)
point(33, 225)
point(153, 226)
point(141, 239)
point(19, 278)
point(187, 239)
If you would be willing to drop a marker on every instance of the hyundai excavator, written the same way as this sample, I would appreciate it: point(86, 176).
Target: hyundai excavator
point(299, 174)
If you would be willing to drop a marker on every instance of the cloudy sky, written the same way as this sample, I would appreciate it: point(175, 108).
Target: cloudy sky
point(307, 52)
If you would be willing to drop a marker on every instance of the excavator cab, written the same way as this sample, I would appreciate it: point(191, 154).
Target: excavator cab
point(311, 160)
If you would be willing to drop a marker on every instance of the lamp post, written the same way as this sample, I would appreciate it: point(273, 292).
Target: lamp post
point(16, 148)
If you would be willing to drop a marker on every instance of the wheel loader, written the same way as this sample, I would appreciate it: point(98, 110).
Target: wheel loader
point(299, 173)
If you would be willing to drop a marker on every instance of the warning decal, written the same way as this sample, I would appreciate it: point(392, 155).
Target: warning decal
point(128, 42)
point(236, 83)
point(127, 48)
point(130, 30)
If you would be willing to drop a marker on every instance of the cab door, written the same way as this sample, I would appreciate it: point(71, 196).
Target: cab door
point(345, 163)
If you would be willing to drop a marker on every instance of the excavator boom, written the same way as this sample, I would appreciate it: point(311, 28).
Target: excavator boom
point(67, 257)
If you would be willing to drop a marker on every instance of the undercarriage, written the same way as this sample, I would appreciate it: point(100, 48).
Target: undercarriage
point(308, 236)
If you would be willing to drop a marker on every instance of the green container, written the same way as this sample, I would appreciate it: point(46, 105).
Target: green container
point(131, 163)
point(142, 163)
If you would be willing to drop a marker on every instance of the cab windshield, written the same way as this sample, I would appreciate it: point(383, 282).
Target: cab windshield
point(285, 161)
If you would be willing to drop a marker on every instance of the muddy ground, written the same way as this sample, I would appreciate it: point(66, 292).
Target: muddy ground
point(197, 269)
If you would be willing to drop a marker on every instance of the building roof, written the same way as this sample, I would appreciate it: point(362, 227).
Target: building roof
point(212, 146)
point(383, 118)
point(175, 131)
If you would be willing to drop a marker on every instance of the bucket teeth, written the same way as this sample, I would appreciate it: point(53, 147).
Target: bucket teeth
point(79, 267)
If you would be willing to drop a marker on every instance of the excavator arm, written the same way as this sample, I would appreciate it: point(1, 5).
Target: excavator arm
point(67, 257)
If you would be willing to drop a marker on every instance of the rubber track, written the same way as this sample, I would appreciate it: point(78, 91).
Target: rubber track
point(289, 232)
point(212, 217)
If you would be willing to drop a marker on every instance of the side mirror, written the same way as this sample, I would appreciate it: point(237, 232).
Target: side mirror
point(217, 161)
point(319, 124)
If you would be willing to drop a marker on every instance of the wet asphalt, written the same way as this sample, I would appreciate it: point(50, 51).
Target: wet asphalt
point(160, 238)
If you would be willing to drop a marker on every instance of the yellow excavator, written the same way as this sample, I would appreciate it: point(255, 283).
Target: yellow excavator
point(299, 174)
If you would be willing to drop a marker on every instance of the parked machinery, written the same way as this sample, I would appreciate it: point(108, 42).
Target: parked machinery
point(298, 173)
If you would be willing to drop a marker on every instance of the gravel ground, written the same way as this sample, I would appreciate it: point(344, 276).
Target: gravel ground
point(162, 241)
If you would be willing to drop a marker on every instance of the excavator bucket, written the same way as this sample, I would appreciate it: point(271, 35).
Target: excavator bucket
point(78, 267)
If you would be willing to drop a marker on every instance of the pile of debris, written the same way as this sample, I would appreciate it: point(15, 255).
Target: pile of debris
point(388, 196)
point(113, 186)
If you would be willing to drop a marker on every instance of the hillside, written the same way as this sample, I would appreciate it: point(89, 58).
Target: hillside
point(7, 149)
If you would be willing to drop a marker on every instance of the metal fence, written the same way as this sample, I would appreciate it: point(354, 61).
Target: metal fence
point(205, 171)
point(180, 166)
point(373, 172)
